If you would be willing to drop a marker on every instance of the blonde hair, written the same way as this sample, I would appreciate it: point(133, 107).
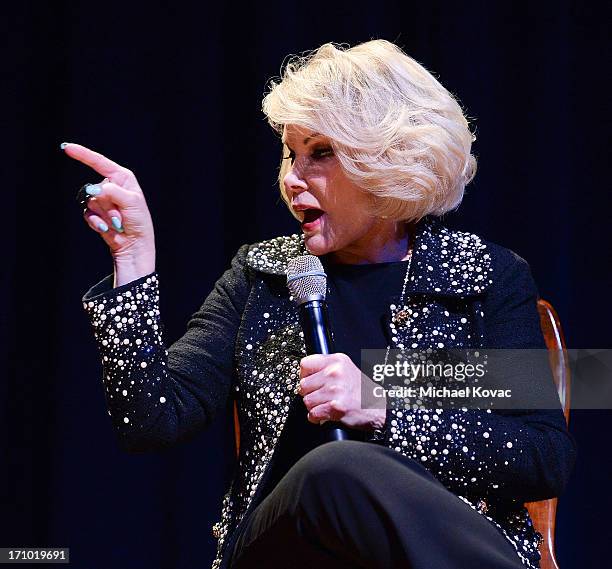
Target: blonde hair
point(397, 132)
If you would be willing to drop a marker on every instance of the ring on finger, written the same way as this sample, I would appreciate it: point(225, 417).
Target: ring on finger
point(88, 191)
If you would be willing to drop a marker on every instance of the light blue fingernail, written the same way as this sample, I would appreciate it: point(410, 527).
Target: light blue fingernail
point(93, 189)
point(117, 224)
point(63, 145)
point(103, 227)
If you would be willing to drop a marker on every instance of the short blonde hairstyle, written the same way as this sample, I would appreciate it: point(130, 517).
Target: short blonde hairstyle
point(397, 132)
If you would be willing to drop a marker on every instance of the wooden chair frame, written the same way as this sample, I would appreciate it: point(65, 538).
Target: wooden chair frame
point(543, 513)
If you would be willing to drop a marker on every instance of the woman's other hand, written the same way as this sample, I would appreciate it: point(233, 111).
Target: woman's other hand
point(118, 211)
point(331, 389)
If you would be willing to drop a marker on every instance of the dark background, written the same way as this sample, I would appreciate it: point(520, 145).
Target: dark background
point(174, 92)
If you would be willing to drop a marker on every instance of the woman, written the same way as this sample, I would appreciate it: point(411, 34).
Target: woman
point(375, 150)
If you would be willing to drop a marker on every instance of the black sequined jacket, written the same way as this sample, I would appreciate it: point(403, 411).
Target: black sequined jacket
point(245, 342)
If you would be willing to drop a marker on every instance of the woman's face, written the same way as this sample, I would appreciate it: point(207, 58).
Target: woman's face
point(332, 210)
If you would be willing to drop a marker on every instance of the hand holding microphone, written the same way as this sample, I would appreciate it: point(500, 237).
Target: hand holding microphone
point(331, 389)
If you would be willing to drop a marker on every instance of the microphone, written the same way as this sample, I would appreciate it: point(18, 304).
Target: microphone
point(307, 283)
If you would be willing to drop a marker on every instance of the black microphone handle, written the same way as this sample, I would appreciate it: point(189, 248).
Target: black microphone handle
point(318, 340)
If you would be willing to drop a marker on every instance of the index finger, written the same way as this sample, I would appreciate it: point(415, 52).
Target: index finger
point(101, 164)
point(313, 363)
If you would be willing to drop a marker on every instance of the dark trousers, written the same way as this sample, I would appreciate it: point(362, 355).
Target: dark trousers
point(350, 504)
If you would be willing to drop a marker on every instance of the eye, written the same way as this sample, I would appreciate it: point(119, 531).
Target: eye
point(291, 156)
point(317, 153)
point(323, 152)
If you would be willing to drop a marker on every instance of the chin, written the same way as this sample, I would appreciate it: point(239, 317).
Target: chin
point(316, 244)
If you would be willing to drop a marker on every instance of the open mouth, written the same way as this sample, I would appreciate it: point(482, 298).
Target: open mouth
point(311, 218)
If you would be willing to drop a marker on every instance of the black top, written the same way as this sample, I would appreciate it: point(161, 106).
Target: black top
point(358, 296)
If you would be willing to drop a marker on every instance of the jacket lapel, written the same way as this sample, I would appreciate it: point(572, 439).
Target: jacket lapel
point(447, 262)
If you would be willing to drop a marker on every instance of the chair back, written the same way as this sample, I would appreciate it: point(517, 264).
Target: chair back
point(543, 512)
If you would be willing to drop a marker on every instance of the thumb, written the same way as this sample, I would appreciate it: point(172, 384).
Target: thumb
point(118, 195)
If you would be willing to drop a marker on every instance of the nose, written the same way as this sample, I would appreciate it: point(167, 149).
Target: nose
point(294, 183)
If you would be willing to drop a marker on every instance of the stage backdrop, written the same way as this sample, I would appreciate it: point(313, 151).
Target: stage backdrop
point(174, 93)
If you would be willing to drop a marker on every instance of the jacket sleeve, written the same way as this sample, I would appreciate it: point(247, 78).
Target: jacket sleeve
point(502, 455)
point(157, 396)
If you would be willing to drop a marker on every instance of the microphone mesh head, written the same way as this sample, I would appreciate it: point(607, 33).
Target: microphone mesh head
point(306, 278)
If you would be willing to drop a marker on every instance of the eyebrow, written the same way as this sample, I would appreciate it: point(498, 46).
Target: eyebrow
point(313, 135)
point(305, 141)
